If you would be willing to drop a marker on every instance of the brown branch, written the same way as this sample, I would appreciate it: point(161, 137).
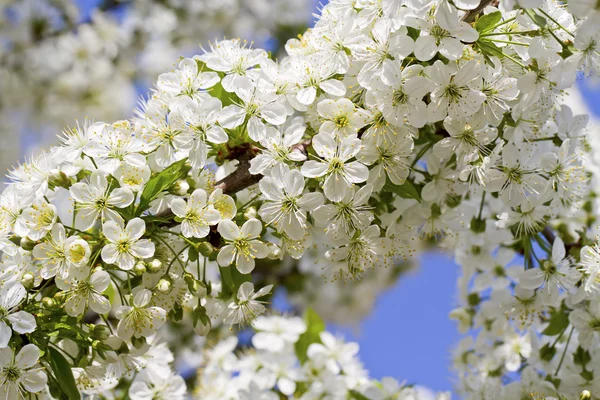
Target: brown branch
point(239, 179)
point(470, 15)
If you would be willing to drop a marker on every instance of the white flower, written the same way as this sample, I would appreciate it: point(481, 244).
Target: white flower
point(246, 306)
point(279, 148)
point(11, 296)
point(512, 350)
point(275, 332)
point(39, 219)
point(132, 177)
point(468, 140)
point(341, 118)
point(338, 355)
point(517, 177)
point(586, 323)
point(60, 255)
point(156, 385)
point(555, 273)
point(233, 58)
point(140, 319)
point(286, 206)
point(313, 73)
point(196, 215)
point(187, 80)
point(201, 116)
point(81, 293)
point(258, 103)
point(388, 159)
point(114, 144)
point(243, 244)
point(17, 373)
point(348, 215)
point(339, 174)
point(399, 93)
point(453, 94)
point(95, 199)
point(125, 246)
point(590, 266)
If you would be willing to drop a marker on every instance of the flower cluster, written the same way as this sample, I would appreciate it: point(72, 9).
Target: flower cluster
point(60, 61)
point(388, 122)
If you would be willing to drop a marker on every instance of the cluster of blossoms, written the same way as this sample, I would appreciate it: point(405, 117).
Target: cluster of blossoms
point(59, 63)
point(387, 122)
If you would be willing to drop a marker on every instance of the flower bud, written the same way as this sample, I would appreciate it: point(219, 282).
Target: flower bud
point(49, 303)
point(154, 266)
point(27, 244)
point(139, 268)
point(206, 249)
point(585, 395)
point(101, 332)
point(27, 280)
point(250, 213)
point(195, 287)
point(164, 286)
point(180, 188)
point(59, 179)
point(274, 251)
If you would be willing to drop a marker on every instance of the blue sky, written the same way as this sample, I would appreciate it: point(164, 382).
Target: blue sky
point(409, 336)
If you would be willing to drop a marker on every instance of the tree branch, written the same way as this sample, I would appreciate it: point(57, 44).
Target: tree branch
point(239, 179)
point(470, 15)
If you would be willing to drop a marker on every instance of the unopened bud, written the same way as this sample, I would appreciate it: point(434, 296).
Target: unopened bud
point(164, 286)
point(27, 280)
point(49, 303)
point(59, 179)
point(195, 287)
point(139, 268)
point(27, 244)
point(101, 332)
point(206, 249)
point(274, 252)
point(154, 266)
point(180, 188)
point(250, 213)
point(585, 395)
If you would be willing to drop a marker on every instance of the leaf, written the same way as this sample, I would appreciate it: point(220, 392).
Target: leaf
point(160, 182)
point(64, 375)
point(314, 327)
point(488, 21)
point(407, 190)
point(357, 396)
point(559, 320)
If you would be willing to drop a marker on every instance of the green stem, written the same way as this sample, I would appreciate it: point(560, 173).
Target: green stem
point(556, 22)
point(510, 42)
point(564, 352)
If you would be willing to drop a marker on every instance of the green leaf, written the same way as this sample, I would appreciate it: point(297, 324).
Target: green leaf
point(559, 320)
point(64, 375)
point(407, 190)
point(488, 21)
point(357, 396)
point(537, 18)
point(160, 182)
point(314, 327)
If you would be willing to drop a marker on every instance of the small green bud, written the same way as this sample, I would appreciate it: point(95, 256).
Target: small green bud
point(101, 332)
point(27, 280)
point(585, 395)
point(139, 268)
point(206, 249)
point(164, 286)
point(27, 244)
point(49, 303)
point(154, 266)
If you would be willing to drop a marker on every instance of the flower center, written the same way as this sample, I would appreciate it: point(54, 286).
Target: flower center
point(12, 373)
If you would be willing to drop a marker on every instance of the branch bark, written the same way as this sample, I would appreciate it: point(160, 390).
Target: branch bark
point(239, 179)
point(470, 15)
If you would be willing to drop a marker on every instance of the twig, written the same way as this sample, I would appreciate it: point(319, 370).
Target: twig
point(470, 15)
